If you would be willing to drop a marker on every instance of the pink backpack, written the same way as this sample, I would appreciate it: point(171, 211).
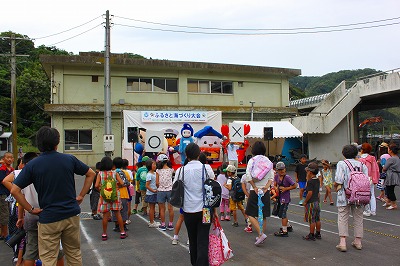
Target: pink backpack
point(261, 166)
point(358, 189)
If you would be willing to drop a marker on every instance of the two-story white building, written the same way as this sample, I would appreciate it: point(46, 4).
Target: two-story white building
point(77, 94)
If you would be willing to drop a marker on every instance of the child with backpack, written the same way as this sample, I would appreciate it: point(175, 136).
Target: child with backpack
point(107, 182)
point(283, 183)
point(118, 163)
point(311, 203)
point(224, 206)
point(236, 193)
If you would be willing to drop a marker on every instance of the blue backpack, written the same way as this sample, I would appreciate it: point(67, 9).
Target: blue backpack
point(237, 193)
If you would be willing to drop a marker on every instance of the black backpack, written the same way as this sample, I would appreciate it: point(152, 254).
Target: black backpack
point(237, 190)
point(123, 177)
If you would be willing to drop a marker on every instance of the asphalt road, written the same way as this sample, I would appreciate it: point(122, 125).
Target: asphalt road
point(149, 246)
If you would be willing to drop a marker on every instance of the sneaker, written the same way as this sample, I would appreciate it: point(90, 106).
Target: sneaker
point(162, 227)
point(367, 213)
point(331, 203)
point(154, 225)
point(123, 235)
point(126, 228)
point(170, 227)
point(301, 202)
point(128, 221)
point(385, 204)
point(236, 224)
point(222, 218)
point(134, 211)
point(281, 233)
point(373, 213)
point(104, 237)
point(116, 229)
point(309, 237)
point(175, 241)
point(227, 218)
point(290, 228)
point(318, 236)
point(97, 217)
point(248, 229)
point(260, 240)
point(187, 242)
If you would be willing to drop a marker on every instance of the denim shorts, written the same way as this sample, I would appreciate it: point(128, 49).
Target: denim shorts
point(151, 198)
point(163, 196)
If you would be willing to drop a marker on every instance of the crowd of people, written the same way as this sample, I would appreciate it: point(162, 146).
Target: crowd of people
point(48, 205)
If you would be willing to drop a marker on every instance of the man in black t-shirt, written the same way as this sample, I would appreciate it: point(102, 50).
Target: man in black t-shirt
point(311, 203)
point(53, 175)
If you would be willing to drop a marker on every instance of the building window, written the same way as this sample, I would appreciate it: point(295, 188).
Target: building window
point(204, 86)
point(78, 140)
point(152, 84)
point(95, 78)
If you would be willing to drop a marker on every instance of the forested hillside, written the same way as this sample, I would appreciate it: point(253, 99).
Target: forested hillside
point(310, 86)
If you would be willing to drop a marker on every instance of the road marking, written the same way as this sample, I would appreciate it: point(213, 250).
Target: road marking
point(100, 260)
point(367, 219)
point(365, 229)
point(163, 232)
point(306, 225)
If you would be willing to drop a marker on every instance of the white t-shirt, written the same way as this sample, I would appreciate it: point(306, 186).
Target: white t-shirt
point(193, 196)
point(243, 180)
point(232, 154)
point(30, 220)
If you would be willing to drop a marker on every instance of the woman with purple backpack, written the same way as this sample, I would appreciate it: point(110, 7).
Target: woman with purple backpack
point(342, 177)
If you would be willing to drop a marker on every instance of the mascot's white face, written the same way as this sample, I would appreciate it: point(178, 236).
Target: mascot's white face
point(210, 142)
point(186, 133)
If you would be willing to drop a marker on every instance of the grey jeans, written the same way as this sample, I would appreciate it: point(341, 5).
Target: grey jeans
point(343, 220)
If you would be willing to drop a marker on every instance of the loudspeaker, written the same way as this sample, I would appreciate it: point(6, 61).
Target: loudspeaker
point(133, 134)
point(268, 133)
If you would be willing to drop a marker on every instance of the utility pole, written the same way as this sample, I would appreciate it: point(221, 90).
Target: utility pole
point(13, 72)
point(13, 98)
point(108, 137)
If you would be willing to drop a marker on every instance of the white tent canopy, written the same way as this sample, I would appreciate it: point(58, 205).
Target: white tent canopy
point(281, 129)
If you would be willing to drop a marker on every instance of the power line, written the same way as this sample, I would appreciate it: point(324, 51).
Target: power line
point(51, 35)
point(259, 29)
point(257, 33)
point(76, 35)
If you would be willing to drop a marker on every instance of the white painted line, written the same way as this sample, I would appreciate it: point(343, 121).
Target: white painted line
point(306, 225)
point(367, 219)
point(163, 232)
point(100, 260)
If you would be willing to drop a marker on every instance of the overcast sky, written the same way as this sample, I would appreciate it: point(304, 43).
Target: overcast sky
point(315, 54)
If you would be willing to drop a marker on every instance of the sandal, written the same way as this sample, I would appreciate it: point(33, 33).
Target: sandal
point(123, 235)
point(325, 201)
point(104, 237)
point(391, 207)
point(331, 204)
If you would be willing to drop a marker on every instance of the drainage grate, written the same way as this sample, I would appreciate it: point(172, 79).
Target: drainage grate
point(85, 215)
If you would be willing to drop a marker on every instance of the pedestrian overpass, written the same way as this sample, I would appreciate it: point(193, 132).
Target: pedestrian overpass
point(331, 120)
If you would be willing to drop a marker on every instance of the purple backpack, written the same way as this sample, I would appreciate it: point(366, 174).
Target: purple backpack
point(358, 190)
point(261, 166)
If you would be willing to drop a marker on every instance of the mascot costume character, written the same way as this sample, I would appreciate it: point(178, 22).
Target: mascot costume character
point(187, 137)
point(209, 141)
